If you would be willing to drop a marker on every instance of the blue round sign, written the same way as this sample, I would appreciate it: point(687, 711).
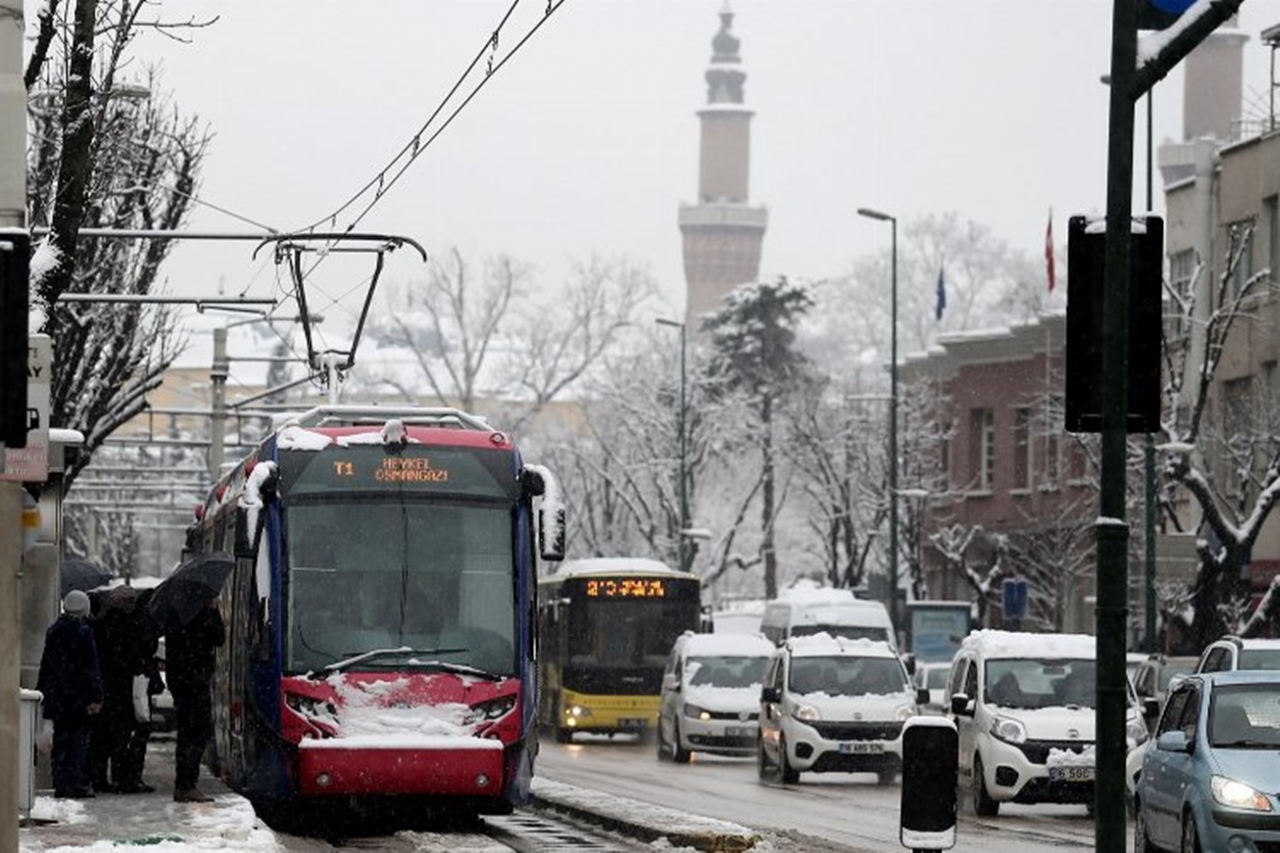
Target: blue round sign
point(1173, 7)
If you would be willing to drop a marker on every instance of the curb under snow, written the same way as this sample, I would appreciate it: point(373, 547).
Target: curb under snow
point(642, 820)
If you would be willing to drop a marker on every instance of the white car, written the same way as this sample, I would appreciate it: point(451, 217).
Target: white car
point(834, 704)
point(1024, 709)
point(932, 676)
point(711, 694)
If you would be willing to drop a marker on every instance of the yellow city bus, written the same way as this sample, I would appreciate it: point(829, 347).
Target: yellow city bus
point(605, 628)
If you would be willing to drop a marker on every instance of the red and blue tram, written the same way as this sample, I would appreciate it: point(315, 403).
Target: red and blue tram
point(380, 614)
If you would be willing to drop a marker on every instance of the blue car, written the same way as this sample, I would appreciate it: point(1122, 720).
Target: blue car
point(1210, 780)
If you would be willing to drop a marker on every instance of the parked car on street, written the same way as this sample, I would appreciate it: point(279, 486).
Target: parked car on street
point(1231, 652)
point(932, 676)
point(1151, 682)
point(834, 704)
point(711, 694)
point(1024, 706)
point(1210, 778)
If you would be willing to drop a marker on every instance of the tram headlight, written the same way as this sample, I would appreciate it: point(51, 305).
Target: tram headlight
point(319, 713)
point(491, 710)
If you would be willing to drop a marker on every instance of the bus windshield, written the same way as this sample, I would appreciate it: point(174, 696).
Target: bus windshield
point(627, 632)
point(379, 573)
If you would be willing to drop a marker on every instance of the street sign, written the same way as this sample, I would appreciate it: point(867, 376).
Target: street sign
point(1015, 599)
point(31, 463)
point(1159, 14)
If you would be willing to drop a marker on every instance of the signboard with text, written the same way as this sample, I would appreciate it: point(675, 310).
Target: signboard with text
point(31, 463)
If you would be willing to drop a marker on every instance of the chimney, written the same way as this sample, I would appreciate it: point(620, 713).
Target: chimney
point(1213, 87)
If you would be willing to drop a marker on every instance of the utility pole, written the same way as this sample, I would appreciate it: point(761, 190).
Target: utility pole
point(218, 422)
point(13, 205)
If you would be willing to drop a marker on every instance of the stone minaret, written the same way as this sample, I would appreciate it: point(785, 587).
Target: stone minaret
point(722, 232)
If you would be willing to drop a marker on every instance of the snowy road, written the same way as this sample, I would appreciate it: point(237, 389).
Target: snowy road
point(844, 809)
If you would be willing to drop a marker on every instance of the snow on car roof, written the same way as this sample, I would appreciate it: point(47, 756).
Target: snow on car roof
point(729, 645)
point(1022, 644)
point(823, 643)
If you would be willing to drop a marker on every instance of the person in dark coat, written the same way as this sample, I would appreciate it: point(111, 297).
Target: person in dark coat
point(190, 657)
point(126, 647)
point(71, 684)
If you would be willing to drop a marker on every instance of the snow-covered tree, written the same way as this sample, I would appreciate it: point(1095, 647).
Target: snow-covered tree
point(106, 153)
point(977, 556)
point(1235, 500)
point(491, 337)
point(753, 354)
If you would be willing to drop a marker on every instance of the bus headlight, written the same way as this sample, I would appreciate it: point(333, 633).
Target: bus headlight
point(576, 712)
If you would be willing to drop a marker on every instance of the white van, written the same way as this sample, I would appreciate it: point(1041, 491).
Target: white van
point(832, 611)
point(1024, 705)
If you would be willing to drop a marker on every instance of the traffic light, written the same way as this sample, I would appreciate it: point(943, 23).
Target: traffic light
point(1160, 14)
point(1086, 249)
point(15, 264)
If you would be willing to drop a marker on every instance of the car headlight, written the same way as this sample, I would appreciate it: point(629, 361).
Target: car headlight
point(696, 712)
point(1008, 729)
point(905, 712)
point(1135, 731)
point(806, 714)
point(1238, 795)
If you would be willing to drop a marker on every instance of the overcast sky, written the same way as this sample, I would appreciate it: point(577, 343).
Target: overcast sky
point(587, 139)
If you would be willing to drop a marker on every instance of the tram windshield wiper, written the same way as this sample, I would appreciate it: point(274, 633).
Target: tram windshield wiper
point(407, 657)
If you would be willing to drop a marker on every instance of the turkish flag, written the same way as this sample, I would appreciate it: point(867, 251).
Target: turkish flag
point(1048, 249)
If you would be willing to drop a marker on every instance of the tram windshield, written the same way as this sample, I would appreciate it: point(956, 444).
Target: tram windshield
point(434, 576)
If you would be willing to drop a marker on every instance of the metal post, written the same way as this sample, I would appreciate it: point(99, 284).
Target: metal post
point(892, 594)
point(1149, 466)
point(218, 420)
point(1112, 528)
point(13, 202)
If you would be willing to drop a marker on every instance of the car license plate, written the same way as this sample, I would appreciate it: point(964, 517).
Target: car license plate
point(1070, 773)
point(862, 747)
point(631, 723)
point(738, 731)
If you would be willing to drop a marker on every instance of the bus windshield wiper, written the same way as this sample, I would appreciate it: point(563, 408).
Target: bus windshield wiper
point(350, 659)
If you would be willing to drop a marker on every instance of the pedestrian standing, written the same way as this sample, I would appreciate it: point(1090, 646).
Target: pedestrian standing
point(190, 657)
point(71, 683)
point(126, 645)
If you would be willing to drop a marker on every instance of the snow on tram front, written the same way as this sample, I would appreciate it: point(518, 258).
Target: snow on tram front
point(379, 636)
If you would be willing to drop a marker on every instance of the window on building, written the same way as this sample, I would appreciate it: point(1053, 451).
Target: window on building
point(1022, 448)
point(1181, 267)
point(1237, 407)
point(1240, 242)
point(982, 448)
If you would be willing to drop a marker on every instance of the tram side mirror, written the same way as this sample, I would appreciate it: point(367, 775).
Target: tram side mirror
point(930, 758)
point(537, 481)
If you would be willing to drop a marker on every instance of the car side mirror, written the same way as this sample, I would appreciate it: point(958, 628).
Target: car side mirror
point(960, 705)
point(922, 696)
point(1175, 741)
point(770, 694)
point(909, 661)
point(1150, 707)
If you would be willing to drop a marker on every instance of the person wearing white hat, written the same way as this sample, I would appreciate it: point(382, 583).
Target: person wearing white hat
point(71, 683)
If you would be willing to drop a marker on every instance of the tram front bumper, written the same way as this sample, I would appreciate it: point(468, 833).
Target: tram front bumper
point(464, 767)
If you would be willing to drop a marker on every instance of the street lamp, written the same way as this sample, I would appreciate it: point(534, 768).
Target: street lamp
point(893, 406)
point(684, 495)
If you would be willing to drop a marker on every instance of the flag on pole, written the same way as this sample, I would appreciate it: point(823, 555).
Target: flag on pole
point(942, 295)
point(1048, 250)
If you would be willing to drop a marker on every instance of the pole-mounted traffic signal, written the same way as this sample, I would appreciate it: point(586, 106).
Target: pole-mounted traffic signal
point(1086, 250)
point(1160, 14)
point(15, 265)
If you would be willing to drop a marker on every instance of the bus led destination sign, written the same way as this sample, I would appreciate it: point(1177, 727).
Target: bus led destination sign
point(626, 588)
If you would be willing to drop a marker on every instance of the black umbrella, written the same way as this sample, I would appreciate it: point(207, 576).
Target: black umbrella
point(181, 596)
point(82, 574)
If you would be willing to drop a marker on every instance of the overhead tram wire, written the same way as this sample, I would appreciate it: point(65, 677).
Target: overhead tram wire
point(415, 146)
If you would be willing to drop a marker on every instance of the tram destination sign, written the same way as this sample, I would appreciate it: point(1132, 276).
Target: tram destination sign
point(418, 468)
